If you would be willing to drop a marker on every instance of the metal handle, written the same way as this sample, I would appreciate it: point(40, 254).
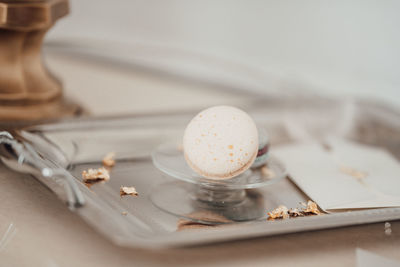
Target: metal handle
point(22, 157)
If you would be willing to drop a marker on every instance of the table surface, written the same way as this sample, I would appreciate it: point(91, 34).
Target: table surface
point(36, 229)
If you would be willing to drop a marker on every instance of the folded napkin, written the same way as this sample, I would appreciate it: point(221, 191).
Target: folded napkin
point(341, 174)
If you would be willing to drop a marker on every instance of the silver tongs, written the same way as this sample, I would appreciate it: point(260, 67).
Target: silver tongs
point(22, 157)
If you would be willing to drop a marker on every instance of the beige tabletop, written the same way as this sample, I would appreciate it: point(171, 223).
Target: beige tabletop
point(36, 229)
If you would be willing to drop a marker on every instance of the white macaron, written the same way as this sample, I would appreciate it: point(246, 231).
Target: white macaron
point(220, 142)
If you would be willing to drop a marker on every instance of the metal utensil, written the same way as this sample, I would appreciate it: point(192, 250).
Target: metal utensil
point(22, 157)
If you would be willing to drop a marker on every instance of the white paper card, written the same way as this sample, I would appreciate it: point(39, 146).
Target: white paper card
point(343, 174)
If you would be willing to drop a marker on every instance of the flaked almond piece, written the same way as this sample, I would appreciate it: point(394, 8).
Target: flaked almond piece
point(95, 175)
point(280, 212)
point(108, 160)
point(128, 190)
point(312, 208)
point(295, 212)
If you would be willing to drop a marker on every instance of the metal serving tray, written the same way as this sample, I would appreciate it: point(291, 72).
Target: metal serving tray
point(73, 146)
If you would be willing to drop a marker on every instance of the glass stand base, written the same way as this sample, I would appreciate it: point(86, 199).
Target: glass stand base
point(208, 201)
point(207, 206)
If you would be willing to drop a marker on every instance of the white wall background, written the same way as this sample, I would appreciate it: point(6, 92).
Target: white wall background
point(342, 48)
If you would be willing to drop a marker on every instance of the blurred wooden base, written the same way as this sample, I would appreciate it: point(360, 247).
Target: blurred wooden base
point(56, 109)
point(28, 90)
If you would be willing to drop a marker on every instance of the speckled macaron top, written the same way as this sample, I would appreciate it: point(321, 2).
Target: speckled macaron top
point(220, 142)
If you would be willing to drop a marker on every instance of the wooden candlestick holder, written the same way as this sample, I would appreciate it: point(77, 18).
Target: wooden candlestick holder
point(28, 91)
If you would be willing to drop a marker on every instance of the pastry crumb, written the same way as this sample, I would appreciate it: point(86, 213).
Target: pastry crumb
point(295, 212)
point(128, 190)
point(311, 208)
point(280, 212)
point(108, 160)
point(124, 213)
point(95, 175)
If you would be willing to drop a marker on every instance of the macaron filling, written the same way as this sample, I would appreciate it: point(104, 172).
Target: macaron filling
point(263, 150)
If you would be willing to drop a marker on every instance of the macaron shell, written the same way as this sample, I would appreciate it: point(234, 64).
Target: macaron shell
point(222, 176)
point(220, 142)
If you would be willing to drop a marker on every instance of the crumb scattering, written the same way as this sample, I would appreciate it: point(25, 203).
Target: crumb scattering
point(128, 190)
point(108, 160)
point(95, 175)
point(282, 212)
